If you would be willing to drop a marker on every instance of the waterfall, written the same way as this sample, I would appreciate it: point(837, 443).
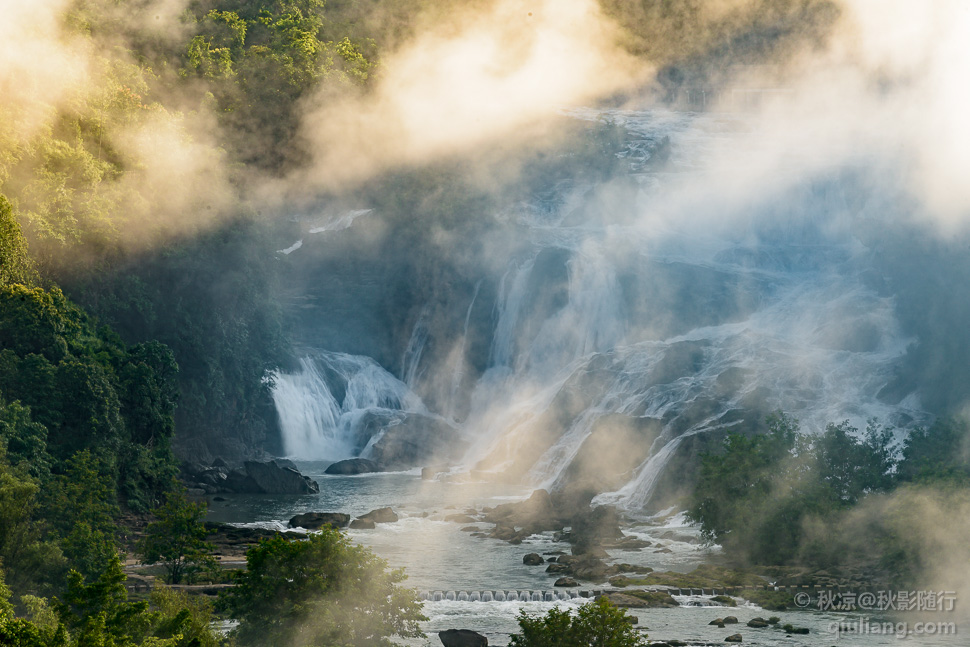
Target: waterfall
point(322, 406)
point(458, 372)
point(667, 300)
point(411, 361)
point(512, 294)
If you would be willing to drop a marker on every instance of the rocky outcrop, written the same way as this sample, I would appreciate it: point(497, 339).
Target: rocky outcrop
point(462, 638)
point(277, 476)
point(533, 559)
point(362, 524)
point(271, 478)
point(353, 466)
point(415, 440)
point(381, 515)
point(316, 520)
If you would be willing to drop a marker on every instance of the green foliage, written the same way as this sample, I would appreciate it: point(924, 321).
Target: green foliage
point(756, 497)
point(771, 600)
point(322, 590)
point(177, 538)
point(258, 60)
point(595, 624)
point(99, 609)
point(28, 558)
point(88, 392)
point(184, 619)
point(213, 301)
point(939, 454)
point(15, 263)
point(24, 440)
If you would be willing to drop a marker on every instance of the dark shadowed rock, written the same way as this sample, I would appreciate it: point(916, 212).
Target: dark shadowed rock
point(352, 466)
point(533, 559)
point(566, 581)
point(362, 524)
point(730, 620)
point(381, 515)
point(462, 638)
point(269, 478)
point(736, 638)
point(316, 520)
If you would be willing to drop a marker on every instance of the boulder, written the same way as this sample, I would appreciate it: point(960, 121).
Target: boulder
point(625, 601)
point(316, 520)
point(537, 512)
point(362, 524)
point(736, 638)
point(352, 466)
point(462, 638)
point(758, 623)
point(730, 620)
point(533, 559)
point(428, 473)
point(414, 439)
point(566, 581)
point(381, 515)
point(460, 518)
point(269, 478)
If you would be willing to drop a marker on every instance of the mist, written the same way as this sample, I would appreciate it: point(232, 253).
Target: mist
point(567, 246)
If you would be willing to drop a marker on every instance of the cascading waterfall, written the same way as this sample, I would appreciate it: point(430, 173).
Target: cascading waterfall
point(512, 293)
point(458, 373)
point(669, 317)
point(322, 405)
point(411, 361)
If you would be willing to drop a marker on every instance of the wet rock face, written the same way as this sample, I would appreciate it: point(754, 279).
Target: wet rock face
point(353, 466)
point(278, 476)
point(316, 520)
point(270, 478)
point(381, 515)
point(462, 638)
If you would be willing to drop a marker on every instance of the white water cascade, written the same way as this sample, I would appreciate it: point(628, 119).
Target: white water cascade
point(322, 405)
point(658, 302)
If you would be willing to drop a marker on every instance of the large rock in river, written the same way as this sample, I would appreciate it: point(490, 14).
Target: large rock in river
point(270, 478)
point(381, 515)
point(353, 466)
point(316, 520)
point(462, 638)
point(414, 439)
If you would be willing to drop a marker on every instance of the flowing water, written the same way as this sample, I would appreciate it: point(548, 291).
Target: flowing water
point(684, 301)
point(440, 557)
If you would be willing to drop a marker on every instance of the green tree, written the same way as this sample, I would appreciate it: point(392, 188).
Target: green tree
point(938, 454)
point(322, 590)
point(24, 440)
point(23, 550)
point(183, 619)
point(21, 632)
point(15, 263)
point(595, 624)
point(177, 538)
